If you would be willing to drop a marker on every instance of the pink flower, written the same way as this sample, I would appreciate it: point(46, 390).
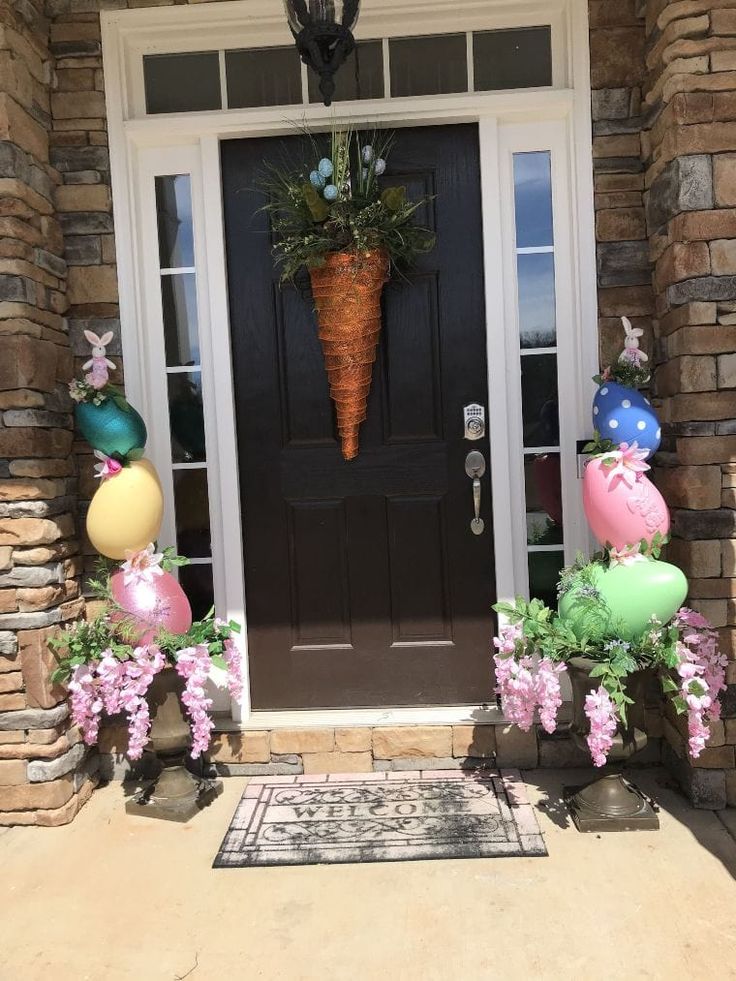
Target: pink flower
point(548, 692)
point(629, 463)
point(702, 673)
point(523, 685)
point(84, 703)
point(515, 685)
point(108, 467)
point(509, 636)
point(193, 664)
point(234, 669)
point(625, 556)
point(603, 720)
point(143, 566)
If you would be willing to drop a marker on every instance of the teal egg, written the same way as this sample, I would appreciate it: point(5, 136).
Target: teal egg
point(110, 429)
point(632, 594)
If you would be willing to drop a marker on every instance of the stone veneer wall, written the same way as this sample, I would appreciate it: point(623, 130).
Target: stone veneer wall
point(44, 776)
point(690, 179)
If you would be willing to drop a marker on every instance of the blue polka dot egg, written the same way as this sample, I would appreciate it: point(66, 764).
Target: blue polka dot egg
point(624, 415)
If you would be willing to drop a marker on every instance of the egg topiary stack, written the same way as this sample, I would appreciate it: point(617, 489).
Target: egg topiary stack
point(126, 511)
point(626, 512)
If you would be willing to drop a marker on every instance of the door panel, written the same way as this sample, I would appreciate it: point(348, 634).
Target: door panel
point(364, 583)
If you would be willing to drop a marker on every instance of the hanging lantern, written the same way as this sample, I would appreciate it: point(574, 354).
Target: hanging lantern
point(323, 31)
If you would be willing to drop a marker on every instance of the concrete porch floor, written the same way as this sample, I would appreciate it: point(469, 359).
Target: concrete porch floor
point(116, 897)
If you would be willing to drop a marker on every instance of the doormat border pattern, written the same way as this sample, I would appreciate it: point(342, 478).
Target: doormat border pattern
point(512, 831)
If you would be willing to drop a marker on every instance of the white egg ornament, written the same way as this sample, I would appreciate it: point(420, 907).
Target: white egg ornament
point(623, 415)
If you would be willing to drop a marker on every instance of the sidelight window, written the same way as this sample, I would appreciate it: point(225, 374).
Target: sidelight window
point(537, 348)
point(183, 369)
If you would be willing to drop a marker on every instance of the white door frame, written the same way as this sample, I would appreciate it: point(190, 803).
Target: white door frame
point(189, 143)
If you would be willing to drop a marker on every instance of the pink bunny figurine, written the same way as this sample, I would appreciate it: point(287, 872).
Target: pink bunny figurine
point(98, 363)
point(631, 351)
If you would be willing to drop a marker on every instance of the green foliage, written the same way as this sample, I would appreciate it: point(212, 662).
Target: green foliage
point(171, 560)
point(599, 445)
point(593, 634)
point(366, 215)
point(624, 373)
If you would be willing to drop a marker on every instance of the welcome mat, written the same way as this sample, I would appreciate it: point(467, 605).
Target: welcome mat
point(380, 817)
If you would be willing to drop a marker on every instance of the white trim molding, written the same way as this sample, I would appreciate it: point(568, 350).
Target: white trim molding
point(555, 118)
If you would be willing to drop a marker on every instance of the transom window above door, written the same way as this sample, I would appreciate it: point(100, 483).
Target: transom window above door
point(398, 67)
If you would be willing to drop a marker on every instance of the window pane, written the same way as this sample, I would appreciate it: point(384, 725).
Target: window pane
point(263, 77)
point(543, 499)
point(514, 59)
point(179, 299)
point(539, 400)
point(544, 573)
point(182, 82)
point(196, 581)
point(536, 283)
point(361, 77)
point(192, 510)
point(186, 417)
point(174, 214)
point(533, 199)
point(428, 65)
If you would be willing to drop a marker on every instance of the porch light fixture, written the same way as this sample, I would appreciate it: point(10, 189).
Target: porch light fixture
point(323, 31)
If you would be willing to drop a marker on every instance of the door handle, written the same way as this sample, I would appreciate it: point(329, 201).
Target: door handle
point(475, 467)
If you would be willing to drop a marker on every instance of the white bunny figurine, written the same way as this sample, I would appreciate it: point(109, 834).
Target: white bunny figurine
point(631, 351)
point(98, 363)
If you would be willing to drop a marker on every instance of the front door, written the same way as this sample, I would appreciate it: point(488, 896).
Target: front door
point(365, 585)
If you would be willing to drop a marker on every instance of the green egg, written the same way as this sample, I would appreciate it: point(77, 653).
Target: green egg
point(633, 594)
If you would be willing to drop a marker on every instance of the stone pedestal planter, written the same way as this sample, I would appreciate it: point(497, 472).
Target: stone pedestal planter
point(175, 794)
point(610, 803)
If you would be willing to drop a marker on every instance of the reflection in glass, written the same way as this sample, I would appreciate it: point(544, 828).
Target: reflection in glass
point(543, 499)
point(533, 199)
point(428, 65)
point(182, 82)
point(181, 336)
point(536, 284)
point(539, 400)
point(192, 510)
point(186, 417)
point(196, 581)
point(263, 77)
point(174, 213)
point(361, 76)
point(512, 59)
point(544, 573)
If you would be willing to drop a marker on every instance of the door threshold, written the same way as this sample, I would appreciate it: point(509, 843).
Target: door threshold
point(422, 716)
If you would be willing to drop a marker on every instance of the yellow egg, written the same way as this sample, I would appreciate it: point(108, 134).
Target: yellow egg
point(126, 510)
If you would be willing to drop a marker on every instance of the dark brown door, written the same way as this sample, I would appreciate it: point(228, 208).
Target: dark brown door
point(365, 585)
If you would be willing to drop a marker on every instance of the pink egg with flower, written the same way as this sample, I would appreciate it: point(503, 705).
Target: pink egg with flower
point(622, 505)
point(149, 597)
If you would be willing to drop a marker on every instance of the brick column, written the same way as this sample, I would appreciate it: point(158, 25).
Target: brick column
point(44, 772)
point(690, 111)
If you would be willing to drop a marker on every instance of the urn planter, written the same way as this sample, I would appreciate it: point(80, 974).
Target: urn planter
point(610, 803)
point(175, 794)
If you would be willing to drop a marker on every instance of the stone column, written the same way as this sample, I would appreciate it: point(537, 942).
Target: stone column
point(690, 114)
point(617, 75)
point(44, 772)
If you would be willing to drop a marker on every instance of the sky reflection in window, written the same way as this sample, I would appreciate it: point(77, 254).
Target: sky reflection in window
point(536, 278)
point(533, 199)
